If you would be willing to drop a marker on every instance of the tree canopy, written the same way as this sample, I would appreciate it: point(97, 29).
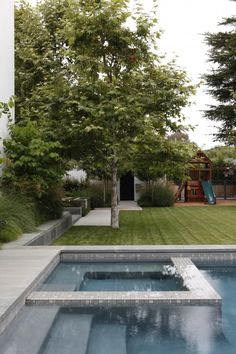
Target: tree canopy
point(97, 81)
point(222, 79)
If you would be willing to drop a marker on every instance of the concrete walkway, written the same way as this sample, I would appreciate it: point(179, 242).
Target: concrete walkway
point(102, 216)
point(96, 217)
point(18, 269)
point(129, 205)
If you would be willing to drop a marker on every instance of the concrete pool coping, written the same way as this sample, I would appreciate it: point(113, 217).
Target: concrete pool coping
point(199, 292)
point(22, 268)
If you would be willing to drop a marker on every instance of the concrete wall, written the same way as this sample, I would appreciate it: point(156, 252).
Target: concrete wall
point(6, 59)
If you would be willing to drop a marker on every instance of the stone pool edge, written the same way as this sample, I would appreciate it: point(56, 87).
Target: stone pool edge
point(199, 292)
point(201, 255)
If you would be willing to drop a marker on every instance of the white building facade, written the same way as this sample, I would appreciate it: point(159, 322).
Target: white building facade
point(6, 60)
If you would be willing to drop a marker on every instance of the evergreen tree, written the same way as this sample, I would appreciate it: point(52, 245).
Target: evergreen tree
point(222, 80)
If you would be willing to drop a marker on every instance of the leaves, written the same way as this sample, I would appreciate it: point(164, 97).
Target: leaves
point(222, 80)
point(34, 164)
point(93, 81)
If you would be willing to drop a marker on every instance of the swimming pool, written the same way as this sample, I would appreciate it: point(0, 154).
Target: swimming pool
point(146, 329)
point(101, 276)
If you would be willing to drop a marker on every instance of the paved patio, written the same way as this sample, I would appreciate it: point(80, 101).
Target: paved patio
point(96, 217)
point(102, 216)
point(18, 269)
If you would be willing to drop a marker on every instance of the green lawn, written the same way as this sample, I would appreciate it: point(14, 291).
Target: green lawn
point(161, 226)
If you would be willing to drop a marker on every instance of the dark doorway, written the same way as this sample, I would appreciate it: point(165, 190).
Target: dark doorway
point(127, 187)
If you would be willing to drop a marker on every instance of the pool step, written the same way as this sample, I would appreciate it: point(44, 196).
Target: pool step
point(30, 331)
point(107, 339)
point(58, 287)
point(69, 334)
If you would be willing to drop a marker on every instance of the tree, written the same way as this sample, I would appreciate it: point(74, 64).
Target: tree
point(32, 56)
point(104, 83)
point(222, 80)
point(223, 158)
point(157, 156)
point(121, 83)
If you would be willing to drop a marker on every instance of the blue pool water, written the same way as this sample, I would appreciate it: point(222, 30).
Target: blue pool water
point(111, 277)
point(136, 330)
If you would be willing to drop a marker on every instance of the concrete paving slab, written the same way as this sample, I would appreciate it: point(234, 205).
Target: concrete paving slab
point(102, 216)
point(128, 205)
point(19, 268)
point(97, 217)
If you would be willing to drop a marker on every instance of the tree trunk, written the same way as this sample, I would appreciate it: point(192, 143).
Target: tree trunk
point(114, 199)
point(104, 191)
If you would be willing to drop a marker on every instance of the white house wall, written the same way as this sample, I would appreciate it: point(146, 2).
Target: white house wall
point(137, 188)
point(6, 60)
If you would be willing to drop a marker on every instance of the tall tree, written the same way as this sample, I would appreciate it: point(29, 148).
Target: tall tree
point(104, 84)
point(121, 83)
point(222, 80)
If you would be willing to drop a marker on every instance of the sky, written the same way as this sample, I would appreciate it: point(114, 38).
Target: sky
point(184, 23)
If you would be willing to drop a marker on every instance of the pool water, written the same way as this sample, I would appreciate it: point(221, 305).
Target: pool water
point(136, 330)
point(224, 281)
point(112, 277)
point(146, 330)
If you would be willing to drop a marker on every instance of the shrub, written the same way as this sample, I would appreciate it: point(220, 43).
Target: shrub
point(85, 211)
point(96, 192)
point(163, 196)
point(145, 199)
point(158, 196)
point(34, 166)
point(71, 185)
point(93, 191)
point(50, 205)
point(17, 215)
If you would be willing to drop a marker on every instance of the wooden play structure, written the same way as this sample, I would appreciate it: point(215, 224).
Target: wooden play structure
point(198, 187)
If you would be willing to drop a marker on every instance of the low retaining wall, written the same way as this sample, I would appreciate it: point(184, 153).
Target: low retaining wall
point(74, 210)
point(46, 237)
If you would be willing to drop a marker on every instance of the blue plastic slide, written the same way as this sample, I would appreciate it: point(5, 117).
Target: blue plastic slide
point(209, 192)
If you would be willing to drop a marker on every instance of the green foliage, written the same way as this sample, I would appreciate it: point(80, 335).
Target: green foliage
point(223, 158)
point(156, 156)
point(145, 199)
point(219, 155)
point(85, 211)
point(33, 165)
point(157, 196)
point(163, 196)
point(95, 81)
point(73, 186)
point(222, 80)
point(106, 78)
point(17, 215)
point(50, 204)
point(6, 107)
point(98, 193)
